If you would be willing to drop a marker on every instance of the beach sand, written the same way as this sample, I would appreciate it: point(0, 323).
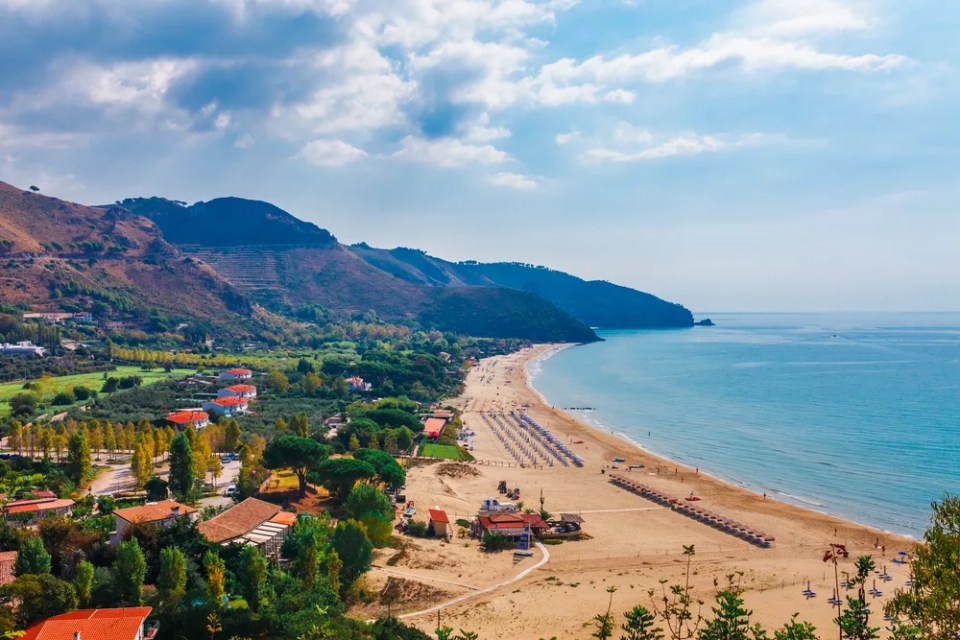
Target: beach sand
point(632, 543)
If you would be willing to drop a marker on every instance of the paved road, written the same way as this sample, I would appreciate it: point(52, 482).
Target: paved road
point(117, 477)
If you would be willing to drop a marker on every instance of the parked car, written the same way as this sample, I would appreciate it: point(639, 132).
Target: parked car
point(231, 491)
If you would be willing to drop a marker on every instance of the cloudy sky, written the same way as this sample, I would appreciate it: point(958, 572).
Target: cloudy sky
point(727, 154)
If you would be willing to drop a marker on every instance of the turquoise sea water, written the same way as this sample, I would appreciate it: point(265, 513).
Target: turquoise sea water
point(854, 415)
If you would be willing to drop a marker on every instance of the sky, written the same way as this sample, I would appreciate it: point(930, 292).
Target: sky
point(753, 155)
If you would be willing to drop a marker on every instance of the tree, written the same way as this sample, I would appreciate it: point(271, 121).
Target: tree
point(83, 583)
point(310, 383)
point(355, 550)
point(15, 436)
point(140, 465)
point(156, 489)
point(32, 558)
point(794, 630)
point(231, 435)
point(304, 546)
point(252, 576)
point(604, 621)
point(129, 570)
point(39, 597)
point(675, 607)
point(854, 622)
point(110, 385)
point(34, 188)
point(277, 382)
point(181, 467)
point(639, 625)
point(23, 404)
point(300, 425)
point(172, 581)
point(79, 463)
point(216, 577)
point(388, 471)
point(301, 455)
point(366, 499)
point(930, 605)
point(338, 475)
point(731, 621)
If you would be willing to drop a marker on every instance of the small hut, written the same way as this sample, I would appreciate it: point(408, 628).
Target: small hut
point(440, 523)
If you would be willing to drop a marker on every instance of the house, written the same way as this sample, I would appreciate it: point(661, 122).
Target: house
point(356, 383)
point(8, 559)
point(433, 427)
point(444, 414)
point(162, 514)
point(187, 417)
point(226, 406)
point(28, 513)
point(510, 524)
point(94, 624)
point(236, 374)
point(247, 391)
point(440, 523)
point(251, 522)
point(83, 317)
point(49, 318)
point(114, 325)
point(23, 348)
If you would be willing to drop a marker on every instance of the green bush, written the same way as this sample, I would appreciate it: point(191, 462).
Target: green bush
point(497, 542)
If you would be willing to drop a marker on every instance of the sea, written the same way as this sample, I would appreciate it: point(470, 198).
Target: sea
point(856, 415)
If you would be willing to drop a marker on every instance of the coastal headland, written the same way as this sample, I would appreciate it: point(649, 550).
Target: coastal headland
point(632, 543)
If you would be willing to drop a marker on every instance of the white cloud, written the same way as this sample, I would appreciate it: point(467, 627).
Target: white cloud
point(566, 138)
point(244, 141)
point(449, 152)
point(514, 181)
point(688, 144)
point(620, 96)
point(792, 18)
point(481, 131)
point(330, 153)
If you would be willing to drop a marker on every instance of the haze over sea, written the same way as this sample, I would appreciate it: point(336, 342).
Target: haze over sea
point(857, 415)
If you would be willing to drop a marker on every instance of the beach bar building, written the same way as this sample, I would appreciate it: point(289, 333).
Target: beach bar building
point(440, 523)
point(433, 427)
point(510, 524)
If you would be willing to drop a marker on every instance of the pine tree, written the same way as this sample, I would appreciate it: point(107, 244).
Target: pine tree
point(252, 576)
point(83, 583)
point(32, 558)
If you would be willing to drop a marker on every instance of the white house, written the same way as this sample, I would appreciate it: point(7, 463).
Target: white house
point(247, 391)
point(187, 417)
point(236, 374)
point(227, 406)
point(356, 383)
point(25, 348)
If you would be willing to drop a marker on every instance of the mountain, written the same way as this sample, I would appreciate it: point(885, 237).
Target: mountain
point(596, 303)
point(286, 264)
point(59, 255)
point(228, 222)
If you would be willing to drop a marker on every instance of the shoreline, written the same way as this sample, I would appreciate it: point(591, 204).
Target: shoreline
point(551, 349)
point(631, 543)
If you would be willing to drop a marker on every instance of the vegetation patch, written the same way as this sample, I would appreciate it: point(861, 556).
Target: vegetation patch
point(441, 451)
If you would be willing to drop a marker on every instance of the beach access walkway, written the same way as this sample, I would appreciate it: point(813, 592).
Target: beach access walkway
point(721, 523)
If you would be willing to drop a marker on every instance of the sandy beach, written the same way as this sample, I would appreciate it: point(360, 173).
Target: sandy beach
point(632, 543)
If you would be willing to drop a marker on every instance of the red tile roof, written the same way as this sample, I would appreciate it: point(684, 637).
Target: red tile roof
point(434, 427)
point(230, 401)
point(512, 521)
point(285, 517)
point(241, 388)
point(240, 372)
point(92, 624)
point(154, 512)
point(187, 417)
point(46, 504)
point(439, 515)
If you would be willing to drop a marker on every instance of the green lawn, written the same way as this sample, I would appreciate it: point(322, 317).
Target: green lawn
point(442, 451)
point(91, 380)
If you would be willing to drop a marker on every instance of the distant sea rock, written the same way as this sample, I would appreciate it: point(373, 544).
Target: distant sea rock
point(706, 322)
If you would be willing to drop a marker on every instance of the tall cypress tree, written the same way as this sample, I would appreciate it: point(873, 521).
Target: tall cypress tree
point(181, 467)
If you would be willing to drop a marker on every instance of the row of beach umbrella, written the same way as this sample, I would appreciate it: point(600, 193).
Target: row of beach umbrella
point(553, 441)
point(732, 527)
point(514, 446)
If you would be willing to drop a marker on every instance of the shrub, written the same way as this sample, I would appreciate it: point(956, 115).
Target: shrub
point(497, 542)
point(417, 528)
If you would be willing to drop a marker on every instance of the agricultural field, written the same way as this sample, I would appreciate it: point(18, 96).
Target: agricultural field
point(92, 380)
point(441, 451)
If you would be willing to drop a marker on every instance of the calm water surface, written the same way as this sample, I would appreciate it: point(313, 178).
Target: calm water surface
point(855, 415)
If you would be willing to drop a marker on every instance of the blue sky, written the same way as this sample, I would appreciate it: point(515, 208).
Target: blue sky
point(726, 154)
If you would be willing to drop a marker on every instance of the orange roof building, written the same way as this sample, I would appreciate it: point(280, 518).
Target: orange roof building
point(30, 512)
point(163, 514)
point(247, 391)
point(183, 419)
point(236, 374)
point(229, 406)
point(433, 427)
point(94, 624)
point(251, 522)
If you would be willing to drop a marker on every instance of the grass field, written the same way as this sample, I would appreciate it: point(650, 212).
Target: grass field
point(91, 380)
point(442, 451)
